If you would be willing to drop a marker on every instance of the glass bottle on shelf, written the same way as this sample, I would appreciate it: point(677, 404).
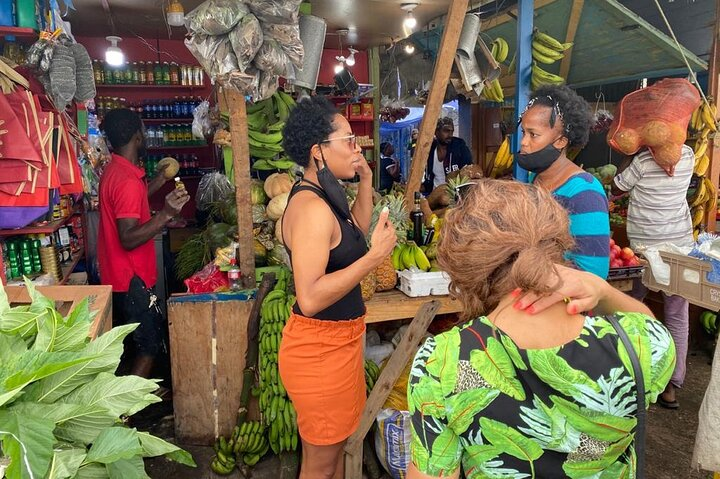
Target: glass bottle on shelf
point(128, 73)
point(158, 73)
point(165, 73)
point(149, 74)
point(174, 74)
point(142, 73)
point(135, 74)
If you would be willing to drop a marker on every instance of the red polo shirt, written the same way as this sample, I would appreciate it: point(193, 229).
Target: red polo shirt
point(123, 194)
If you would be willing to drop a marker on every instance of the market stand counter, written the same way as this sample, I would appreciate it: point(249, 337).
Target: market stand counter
point(392, 305)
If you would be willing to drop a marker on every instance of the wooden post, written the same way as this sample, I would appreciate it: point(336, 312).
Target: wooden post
point(714, 90)
point(573, 23)
point(523, 74)
point(441, 76)
point(375, 80)
point(235, 103)
point(390, 374)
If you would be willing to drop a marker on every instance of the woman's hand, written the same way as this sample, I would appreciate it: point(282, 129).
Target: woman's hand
point(581, 291)
point(383, 238)
point(363, 169)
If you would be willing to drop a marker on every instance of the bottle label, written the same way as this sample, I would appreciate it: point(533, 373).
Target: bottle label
point(233, 275)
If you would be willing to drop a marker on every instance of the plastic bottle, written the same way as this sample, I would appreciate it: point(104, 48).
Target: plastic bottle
point(234, 276)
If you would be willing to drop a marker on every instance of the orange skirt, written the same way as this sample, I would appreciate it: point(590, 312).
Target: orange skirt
point(321, 367)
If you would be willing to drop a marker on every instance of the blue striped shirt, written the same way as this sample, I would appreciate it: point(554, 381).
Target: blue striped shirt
point(584, 198)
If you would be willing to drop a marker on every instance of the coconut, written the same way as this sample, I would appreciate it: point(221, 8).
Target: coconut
point(172, 166)
point(626, 140)
point(655, 133)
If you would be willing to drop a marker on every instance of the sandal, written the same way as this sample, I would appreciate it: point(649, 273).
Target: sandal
point(667, 404)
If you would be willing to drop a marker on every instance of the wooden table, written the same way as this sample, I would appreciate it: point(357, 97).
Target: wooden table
point(393, 304)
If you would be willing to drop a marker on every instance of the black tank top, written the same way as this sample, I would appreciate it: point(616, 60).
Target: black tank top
point(352, 247)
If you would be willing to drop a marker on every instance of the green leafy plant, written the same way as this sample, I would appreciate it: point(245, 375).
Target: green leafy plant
point(61, 405)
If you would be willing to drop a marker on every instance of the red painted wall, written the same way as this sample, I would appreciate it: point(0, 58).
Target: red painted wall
point(328, 62)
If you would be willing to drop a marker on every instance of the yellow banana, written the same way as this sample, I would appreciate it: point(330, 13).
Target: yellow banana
point(701, 146)
point(408, 259)
point(546, 51)
point(539, 57)
point(700, 195)
point(545, 77)
point(711, 197)
point(396, 261)
point(502, 49)
point(697, 213)
point(701, 165)
point(420, 259)
point(694, 120)
point(709, 116)
point(549, 41)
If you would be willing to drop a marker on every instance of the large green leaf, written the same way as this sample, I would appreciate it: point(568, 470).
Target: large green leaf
point(4, 301)
point(426, 396)
point(47, 329)
point(154, 446)
point(513, 352)
point(445, 455)
point(28, 441)
point(605, 427)
point(113, 444)
point(462, 408)
point(509, 440)
point(55, 335)
point(584, 469)
point(476, 455)
point(133, 468)
point(39, 302)
point(75, 423)
point(11, 347)
point(105, 352)
point(19, 322)
point(443, 363)
point(33, 366)
point(496, 367)
point(120, 395)
point(65, 463)
point(80, 313)
point(556, 372)
point(92, 471)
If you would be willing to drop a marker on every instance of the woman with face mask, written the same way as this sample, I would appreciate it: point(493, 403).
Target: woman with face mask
point(321, 352)
point(557, 118)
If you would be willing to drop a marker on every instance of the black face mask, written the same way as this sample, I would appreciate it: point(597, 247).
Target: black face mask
point(540, 160)
point(332, 188)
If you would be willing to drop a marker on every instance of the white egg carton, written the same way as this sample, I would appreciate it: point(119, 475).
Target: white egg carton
point(416, 283)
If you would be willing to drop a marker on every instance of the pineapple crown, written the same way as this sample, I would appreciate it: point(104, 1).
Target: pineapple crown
point(397, 213)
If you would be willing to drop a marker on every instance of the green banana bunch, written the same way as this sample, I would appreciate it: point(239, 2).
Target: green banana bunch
point(278, 413)
point(266, 120)
point(708, 319)
point(408, 256)
point(541, 77)
point(546, 49)
point(224, 461)
point(499, 49)
point(372, 373)
point(493, 91)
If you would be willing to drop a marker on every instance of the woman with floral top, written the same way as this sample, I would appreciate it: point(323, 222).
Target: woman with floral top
point(520, 390)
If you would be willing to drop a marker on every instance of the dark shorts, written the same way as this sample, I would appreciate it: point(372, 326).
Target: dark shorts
point(138, 306)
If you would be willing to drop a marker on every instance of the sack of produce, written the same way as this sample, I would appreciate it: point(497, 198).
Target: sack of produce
point(275, 11)
point(214, 53)
point(271, 58)
point(213, 187)
point(83, 74)
point(246, 39)
point(62, 76)
point(655, 117)
point(288, 36)
point(392, 441)
point(267, 86)
point(215, 17)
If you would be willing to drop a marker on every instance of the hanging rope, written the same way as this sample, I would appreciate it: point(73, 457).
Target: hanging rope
point(682, 53)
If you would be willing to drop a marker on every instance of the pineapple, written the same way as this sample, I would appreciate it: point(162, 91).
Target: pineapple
point(386, 275)
point(368, 286)
point(452, 185)
point(398, 214)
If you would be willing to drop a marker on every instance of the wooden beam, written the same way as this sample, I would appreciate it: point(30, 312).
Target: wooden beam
point(714, 90)
point(389, 376)
point(511, 15)
point(374, 59)
point(575, 14)
point(235, 103)
point(441, 76)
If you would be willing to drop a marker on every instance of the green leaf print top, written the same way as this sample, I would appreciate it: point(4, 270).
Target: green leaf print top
point(505, 412)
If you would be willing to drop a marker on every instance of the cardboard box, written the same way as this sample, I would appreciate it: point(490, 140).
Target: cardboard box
point(355, 111)
point(368, 111)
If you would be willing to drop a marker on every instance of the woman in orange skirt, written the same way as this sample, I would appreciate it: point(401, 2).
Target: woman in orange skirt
point(321, 353)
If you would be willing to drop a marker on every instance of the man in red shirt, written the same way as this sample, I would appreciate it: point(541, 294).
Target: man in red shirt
point(126, 252)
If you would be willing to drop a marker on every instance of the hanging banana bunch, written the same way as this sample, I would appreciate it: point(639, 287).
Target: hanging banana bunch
point(503, 159)
point(546, 50)
point(493, 91)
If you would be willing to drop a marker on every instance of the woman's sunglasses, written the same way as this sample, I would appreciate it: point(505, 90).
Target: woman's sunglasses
point(351, 140)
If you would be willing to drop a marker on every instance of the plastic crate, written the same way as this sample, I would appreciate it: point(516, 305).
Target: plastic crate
point(688, 278)
point(626, 272)
point(419, 283)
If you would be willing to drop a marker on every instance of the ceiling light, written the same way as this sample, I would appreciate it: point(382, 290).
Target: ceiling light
point(350, 61)
point(409, 48)
point(113, 55)
point(339, 67)
point(410, 21)
point(175, 14)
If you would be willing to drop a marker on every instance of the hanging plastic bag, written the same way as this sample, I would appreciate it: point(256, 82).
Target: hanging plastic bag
point(213, 187)
point(288, 36)
point(201, 125)
point(392, 441)
point(267, 86)
point(215, 17)
point(655, 117)
point(62, 77)
point(84, 77)
point(208, 280)
point(214, 53)
point(246, 39)
point(275, 11)
point(271, 58)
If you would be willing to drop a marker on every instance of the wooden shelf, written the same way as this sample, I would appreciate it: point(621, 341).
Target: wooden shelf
point(393, 305)
point(18, 32)
point(68, 269)
point(158, 87)
point(47, 228)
